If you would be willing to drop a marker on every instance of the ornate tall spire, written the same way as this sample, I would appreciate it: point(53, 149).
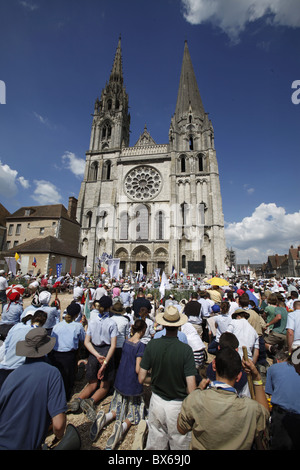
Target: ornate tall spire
point(117, 69)
point(188, 97)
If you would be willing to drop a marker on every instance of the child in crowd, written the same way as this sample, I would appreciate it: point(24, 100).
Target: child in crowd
point(100, 341)
point(69, 335)
point(127, 405)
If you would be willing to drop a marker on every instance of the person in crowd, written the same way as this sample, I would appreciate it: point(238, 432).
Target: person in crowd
point(41, 301)
point(283, 385)
point(69, 334)
point(269, 310)
point(294, 295)
point(244, 420)
point(11, 313)
point(139, 302)
point(173, 374)
point(3, 287)
point(127, 406)
point(193, 310)
point(196, 343)
point(125, 296)
point(100, 341)
point(258, 323)
point(245, 333)
point(150, 331)
point(99, 292)
point(277, 336)
point(293, 327)
point(9, 360)
point(32, 397)
point(117, 311)
point(221, 323)
point(233, 305)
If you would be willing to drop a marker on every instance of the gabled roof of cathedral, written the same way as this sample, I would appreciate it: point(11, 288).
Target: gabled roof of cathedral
point(145, 139)
point(188, 93)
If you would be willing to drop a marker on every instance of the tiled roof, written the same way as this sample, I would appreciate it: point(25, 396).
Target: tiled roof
point(46, 245)
point(54, 211)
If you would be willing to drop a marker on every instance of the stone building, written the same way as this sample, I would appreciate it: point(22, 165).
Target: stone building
point(155, 204)
point(48, 234)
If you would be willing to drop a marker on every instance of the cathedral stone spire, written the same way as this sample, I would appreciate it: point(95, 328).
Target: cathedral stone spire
point(188, 98)
point(117, 69)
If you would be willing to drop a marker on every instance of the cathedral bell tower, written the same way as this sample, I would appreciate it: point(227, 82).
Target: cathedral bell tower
point(111, 120)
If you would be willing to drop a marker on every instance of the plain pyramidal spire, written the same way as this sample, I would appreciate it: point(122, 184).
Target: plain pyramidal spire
point(188, 93)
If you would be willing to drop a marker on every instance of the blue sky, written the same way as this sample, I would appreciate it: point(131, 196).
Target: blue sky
point(56, 56)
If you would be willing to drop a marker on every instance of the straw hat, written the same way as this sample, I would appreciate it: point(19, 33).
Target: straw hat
point(171, 317)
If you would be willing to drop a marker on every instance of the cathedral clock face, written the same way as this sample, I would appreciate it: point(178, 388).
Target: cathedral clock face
point(143, 183)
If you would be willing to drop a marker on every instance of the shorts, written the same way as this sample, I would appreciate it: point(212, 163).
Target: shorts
point(200, 357)
point(275, 338)
point(93, 365)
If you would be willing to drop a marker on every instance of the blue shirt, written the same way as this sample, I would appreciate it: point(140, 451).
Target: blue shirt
point(181, 336)
point(53, 315)
point(11, 313)
point(68, 335)
point(101, 329)
point(15, 334)
point(283, 383)
point(29, 398)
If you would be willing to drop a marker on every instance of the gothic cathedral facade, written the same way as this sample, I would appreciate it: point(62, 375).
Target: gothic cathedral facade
point(155, 204)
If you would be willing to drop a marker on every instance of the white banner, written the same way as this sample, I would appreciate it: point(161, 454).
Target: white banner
point(12, 265)
point(114, 268)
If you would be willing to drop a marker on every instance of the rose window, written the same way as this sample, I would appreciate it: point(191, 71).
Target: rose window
point(143, 183)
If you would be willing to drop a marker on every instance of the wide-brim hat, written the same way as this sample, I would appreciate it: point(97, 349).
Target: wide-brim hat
point(117, 308)
point(126, 287)
point(171, 317)
point(240, 312)
point(37, 343)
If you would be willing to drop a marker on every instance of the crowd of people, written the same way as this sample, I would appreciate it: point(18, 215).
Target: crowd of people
point(222, 363)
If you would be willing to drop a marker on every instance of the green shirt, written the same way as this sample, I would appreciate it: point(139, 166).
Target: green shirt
point(280, 326)
point(170, 361)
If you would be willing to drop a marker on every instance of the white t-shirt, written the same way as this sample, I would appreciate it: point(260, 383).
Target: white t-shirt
point(293, 323)
point(193, 337)
point(245, 334)
point(222, 322)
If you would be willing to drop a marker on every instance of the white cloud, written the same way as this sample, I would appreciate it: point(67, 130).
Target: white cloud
point(74, 164)
point(232, 16)
point(8, 181)
point(28, 5)
point(46, 193)
point(248, 189)
point(269, 230)
point(24, 183)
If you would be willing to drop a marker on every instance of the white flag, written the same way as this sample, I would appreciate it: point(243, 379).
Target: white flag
point(164, 283)
point(114, 268)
